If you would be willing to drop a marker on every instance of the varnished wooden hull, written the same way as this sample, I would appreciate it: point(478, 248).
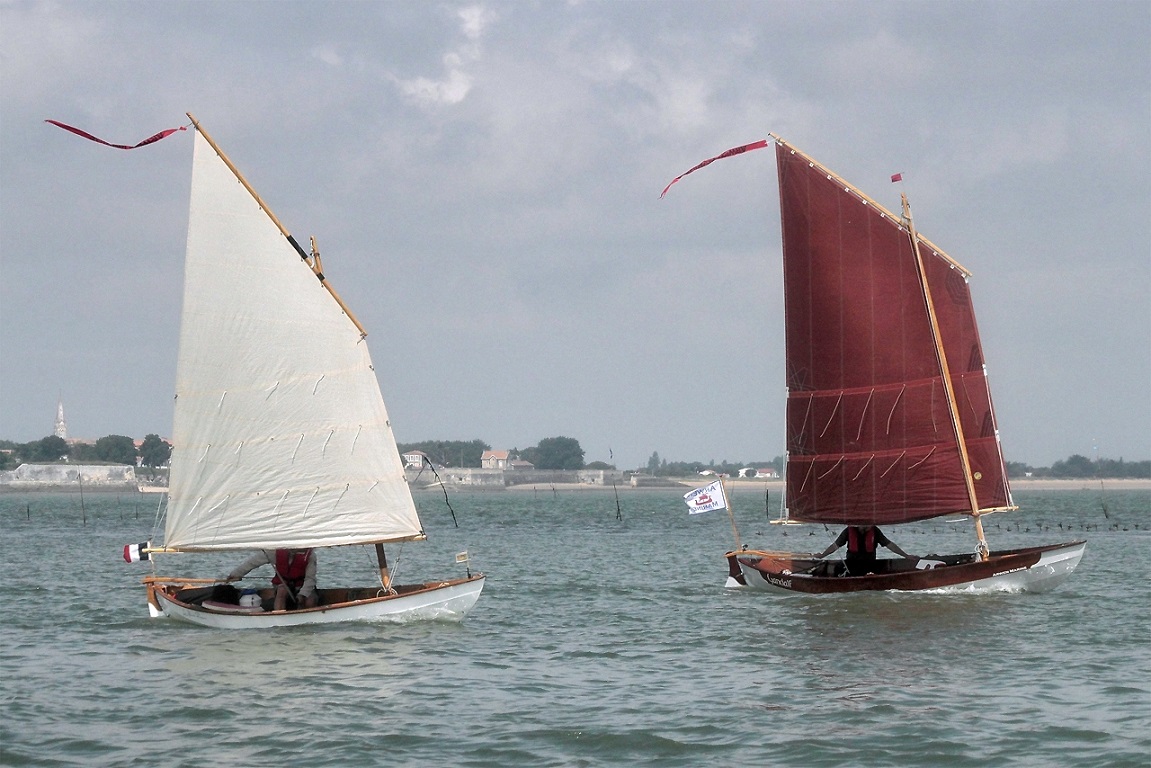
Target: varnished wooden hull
point(1034, 569)
point(444, 600)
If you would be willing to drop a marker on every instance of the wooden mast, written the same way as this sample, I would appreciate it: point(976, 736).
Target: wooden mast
point(949, 390)
point(313, 261)
point(730, 511)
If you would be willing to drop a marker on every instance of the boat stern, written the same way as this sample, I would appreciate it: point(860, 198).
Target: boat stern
point(735, 579)
point(770, 571)
point(155, 611)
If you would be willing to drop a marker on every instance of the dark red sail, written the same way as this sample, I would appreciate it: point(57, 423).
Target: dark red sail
point(870, 433)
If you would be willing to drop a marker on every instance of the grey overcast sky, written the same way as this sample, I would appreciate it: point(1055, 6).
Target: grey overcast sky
point(483, 181)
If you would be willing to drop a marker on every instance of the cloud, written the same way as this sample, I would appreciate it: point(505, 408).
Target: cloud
point(454, 84)
point(452, 88)
point(474, 19)
point(491, 177)
point(328, 55)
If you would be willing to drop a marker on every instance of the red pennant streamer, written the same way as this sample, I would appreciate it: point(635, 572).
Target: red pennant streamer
point(90, 137)
point(733, 151)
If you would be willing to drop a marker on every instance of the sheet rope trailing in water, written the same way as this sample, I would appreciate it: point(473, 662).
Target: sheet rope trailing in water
point(709, 497)
point(150, 140)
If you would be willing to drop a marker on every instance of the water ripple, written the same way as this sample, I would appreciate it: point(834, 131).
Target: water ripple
point(596, 643)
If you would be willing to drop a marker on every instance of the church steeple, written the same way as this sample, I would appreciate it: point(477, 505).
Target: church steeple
point(61, 429)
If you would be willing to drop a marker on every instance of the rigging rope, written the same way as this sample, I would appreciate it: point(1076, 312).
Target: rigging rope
point(393, 569)
point(442, 488)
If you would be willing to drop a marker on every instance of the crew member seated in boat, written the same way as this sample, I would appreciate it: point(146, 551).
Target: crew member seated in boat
point(295, 578)
point(861, 542)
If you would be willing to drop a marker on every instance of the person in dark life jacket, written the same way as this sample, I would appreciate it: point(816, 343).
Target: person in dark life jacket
point(295, 578)
point(861, 541)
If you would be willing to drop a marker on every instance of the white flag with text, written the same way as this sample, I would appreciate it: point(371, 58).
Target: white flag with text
point(705, 499)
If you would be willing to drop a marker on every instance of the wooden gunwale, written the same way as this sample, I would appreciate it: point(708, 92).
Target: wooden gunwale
point(403, 590)
point(997, 563)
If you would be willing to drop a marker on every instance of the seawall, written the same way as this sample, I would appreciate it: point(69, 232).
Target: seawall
point(467, 477)
point(69, 477)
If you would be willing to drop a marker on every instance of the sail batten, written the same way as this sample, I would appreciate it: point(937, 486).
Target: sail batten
point(873, 435)
point(281, 437)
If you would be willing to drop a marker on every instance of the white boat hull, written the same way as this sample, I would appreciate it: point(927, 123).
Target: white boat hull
point(448, 601)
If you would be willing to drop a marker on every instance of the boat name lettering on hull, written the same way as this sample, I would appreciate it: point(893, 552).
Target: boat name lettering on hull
point(785, 583)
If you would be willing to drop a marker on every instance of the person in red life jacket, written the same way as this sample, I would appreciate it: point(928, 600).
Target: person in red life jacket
point(295, 578)
point(861, 541)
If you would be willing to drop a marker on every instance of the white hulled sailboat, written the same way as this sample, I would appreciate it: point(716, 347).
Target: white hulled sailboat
point(282, 439)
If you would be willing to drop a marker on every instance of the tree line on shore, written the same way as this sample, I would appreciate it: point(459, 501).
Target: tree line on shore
point(1075, 467)
point(549, 453)
point(111, 449)
point(153, 452)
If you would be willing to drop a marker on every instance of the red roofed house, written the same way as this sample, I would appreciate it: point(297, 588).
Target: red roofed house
point(494, 460)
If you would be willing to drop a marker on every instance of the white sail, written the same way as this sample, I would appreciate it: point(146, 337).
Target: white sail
point(281, 437)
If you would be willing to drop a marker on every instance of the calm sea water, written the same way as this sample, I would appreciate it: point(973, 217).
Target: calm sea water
point(596, 642)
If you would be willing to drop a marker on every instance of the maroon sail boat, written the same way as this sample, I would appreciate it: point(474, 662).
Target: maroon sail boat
point(889, 413)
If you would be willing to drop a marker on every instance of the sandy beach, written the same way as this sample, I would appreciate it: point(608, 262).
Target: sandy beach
point(1112, 484)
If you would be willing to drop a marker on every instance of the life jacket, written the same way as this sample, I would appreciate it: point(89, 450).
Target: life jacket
point(292, 567)
point(861, 544)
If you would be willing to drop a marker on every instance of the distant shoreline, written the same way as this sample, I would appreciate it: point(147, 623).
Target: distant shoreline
point(1112, 484)
point(1030, 484)
point(735, 485)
